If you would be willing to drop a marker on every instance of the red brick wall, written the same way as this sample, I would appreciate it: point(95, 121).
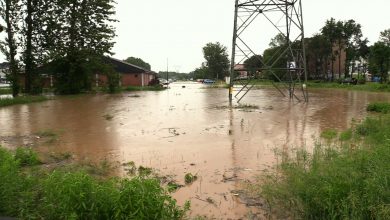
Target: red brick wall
point(131, 80)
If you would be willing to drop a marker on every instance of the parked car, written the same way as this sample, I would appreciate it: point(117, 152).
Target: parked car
point(208, 81)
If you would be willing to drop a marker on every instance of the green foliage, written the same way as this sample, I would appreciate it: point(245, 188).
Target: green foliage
point(10, 14)
point(217, 60)
point(373, 87)
point(26, 156)
point(382, 107)
point(254, 63)
point(32, 194)
point(21, 100)
point(270, 59)
point(201, 73)
point(79, 41)
point(318, 52)
point(138, 62)
point(190, 178)
point(329, 134)
point(347, 182)
point(346, 135)
point(385, 37)
point(144, 88)
point(5, 91)
point(379, 60)
point(174, 75)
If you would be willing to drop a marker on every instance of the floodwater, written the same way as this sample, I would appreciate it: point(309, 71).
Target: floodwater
point(187, 130)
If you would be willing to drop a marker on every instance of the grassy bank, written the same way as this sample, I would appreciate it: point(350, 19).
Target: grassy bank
point(346, 179)
point(28, 192)
point(143, 88)
point(21, 100)
point(371, 87)
point(5, 91)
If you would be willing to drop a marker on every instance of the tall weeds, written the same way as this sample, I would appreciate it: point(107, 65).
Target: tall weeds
point(30, 193)
point(348, 180)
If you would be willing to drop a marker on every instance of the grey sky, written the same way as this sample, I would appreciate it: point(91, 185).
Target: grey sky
point(155, 30)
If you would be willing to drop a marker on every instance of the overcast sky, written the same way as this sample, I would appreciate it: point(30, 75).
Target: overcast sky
point(157, 30)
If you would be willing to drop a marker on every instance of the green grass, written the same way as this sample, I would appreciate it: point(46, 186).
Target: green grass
point(329, 134)
point(60, 194)
point(348, 181)
point(381, 107)
point(22, 100)
point(370, 86)
point(144, 88)
point(5, 91)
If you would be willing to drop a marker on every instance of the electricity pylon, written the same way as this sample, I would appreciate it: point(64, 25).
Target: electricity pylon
point(254, 21)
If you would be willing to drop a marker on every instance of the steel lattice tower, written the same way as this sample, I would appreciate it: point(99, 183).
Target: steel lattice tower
point(257, 21)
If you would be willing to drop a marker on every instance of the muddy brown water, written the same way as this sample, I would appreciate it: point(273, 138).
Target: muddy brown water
point(187, 130)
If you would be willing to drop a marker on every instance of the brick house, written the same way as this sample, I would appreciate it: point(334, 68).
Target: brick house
point(130, 75)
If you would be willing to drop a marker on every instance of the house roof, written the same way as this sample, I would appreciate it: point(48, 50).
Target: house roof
point(124, 67)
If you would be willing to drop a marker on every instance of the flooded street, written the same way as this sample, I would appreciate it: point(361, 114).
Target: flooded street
point(187, 130)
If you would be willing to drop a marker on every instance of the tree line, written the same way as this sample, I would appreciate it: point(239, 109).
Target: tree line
point(65, 37)
point(338, 42)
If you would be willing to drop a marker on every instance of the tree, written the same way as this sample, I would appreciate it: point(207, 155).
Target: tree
point(217, 60)
point(33, 41)
point(278, 40)
point(138, 62)
point(79, 35)
point(254, 63)
point(385, 37)
point(319, 50)
point(346, 35)
point(9, 11)
point(200, 73)
point(379, 61)
point(333, 33)
point(352, 38)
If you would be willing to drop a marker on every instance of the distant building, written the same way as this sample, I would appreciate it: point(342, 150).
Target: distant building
point(240, 69)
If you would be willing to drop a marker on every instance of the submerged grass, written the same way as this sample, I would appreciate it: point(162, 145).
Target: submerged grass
point(381, 107)
point(144, 88)
point(61, 194)
point(348, 181)
point(21, 100)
